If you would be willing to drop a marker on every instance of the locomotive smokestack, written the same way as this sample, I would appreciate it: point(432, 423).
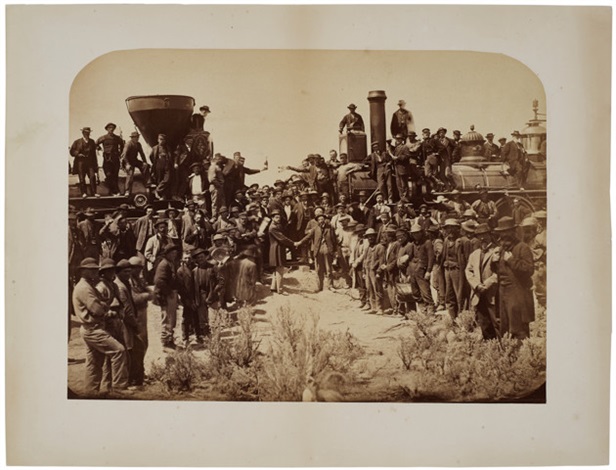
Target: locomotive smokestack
point(377, 117)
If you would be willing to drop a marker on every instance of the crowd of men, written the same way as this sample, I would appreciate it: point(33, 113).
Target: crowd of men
point(217, 239)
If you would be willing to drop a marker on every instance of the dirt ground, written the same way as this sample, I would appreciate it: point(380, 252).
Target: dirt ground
point(381, 376)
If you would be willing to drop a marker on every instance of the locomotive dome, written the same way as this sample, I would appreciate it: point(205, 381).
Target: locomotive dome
point(471, 146)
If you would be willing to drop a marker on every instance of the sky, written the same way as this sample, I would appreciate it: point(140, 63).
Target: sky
point(285, 104)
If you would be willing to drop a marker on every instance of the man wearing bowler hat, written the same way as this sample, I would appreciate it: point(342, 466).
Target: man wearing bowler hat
point(515, 268)
point(166, 293)
point(352, 121)
point(85, 163)
point(130, 160)
point(402, 121)
point(491, 151)
point(112, 146)
point(92, 312)
point(483, 283)
point(514, 155)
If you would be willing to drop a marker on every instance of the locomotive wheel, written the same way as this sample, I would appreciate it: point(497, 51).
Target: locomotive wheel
point(140, 200)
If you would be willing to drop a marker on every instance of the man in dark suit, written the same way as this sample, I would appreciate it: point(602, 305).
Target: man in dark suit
point(162, 167)
point(515, 268)
point(401, 157)
point(380, 171)
point(323, 246)
point(236, 175)
point(85, 164)
point(514, 154)
point(352, 121)
point(402, 121)
point(144, 228)
point(491, 151)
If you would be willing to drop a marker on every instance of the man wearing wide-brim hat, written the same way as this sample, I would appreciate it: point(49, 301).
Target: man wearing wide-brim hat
point(197, 184)
point(85, 162)
point(453, 268)
point(166, 293)
point(491, 151)
point(155, 244)
point(483, 283)
point(87, 235)
point(323, 246)
point(421, 261)
point(515, 269)
point(130, 160)
point(357, 251)
point(373, 259)
point(92, 310)
point(402, 121)
point(112, 146)
point(353, 122)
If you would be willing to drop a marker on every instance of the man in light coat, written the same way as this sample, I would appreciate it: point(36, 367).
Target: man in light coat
point(483, 283)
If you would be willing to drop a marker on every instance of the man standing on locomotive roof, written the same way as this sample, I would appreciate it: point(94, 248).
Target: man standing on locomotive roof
point(85, 163)
point(353, 121)
point(514, 154)
point(402, 121)
point(112, 148)
point(491, 151)
point(129, 160)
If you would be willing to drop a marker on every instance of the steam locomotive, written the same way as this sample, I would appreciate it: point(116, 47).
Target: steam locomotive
point(171, 115)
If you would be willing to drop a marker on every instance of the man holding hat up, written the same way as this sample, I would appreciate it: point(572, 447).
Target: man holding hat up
point(130, 160)
point(85, 163)
point(515, 270)
point(92, 312)
point(112, 148)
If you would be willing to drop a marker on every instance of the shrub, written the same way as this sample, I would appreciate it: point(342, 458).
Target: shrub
point(298, 351)
point(180, 371)
point(453, 362)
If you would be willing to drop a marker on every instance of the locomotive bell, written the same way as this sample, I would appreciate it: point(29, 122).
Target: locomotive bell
point(471, 147)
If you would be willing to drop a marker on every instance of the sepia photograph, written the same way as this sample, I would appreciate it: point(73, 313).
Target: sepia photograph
point(255, 225)
point(307, 236)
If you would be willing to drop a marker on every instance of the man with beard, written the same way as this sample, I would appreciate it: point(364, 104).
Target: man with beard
point(421, 261)
point(197, 185)
point(515, 269)
point(144, 228)
point(130, 160)
point(415, 156)
point(484, 208)
point(161, 158)
point(87, 237)
point(141, 296)
point(401, 159)
point(154, 247)
point(389, 268)
point(514, 155)
point(491, 151)
point(358, 247)
point(209, 287)
point(380, 171)
point(352, 121)
point(452, 267)
point(85, 163)
point(375, 255)
point(360, 210)
point(483, 283)
point(430, 157)
point(112, 148)
point(92, 311)
point(187, 297)
point(278, 242)
point(402, 121)
point(323, 247)
point(134, 345)
point(166, 293)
